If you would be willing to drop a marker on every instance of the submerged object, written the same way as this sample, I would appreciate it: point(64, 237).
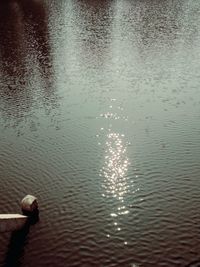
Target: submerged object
point(12, 222)
point(29, 205)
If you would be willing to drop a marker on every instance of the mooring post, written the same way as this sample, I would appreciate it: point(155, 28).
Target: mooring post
point(29, 205)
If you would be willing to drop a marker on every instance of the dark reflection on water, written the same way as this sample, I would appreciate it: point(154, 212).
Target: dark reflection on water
point(106, 95)
point(17, 243)
point(159, 24)
point(16, 247)
point(94, 21)
point(158, 21)
point(26, 61)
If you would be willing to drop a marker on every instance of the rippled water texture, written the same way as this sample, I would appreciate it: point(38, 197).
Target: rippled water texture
point(99, 118)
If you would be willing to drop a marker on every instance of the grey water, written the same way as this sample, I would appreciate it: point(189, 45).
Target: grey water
point(99, 118)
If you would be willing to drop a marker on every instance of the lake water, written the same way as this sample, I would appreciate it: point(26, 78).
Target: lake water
point(99, 118)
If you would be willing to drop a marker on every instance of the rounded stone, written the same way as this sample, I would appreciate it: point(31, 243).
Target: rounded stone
point(29, 204)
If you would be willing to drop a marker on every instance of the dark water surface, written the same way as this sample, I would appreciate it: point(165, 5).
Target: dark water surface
point(99, 118)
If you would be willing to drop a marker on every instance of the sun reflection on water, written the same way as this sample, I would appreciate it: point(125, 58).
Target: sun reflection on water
point(114, 173)
point(116, 166)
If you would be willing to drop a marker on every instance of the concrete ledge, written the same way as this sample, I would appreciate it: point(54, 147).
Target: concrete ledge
point(12, 222)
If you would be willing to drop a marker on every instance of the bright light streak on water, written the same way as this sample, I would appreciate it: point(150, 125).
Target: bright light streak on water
point(114, 173)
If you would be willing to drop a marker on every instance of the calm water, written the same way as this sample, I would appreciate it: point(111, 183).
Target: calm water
point(99, 118)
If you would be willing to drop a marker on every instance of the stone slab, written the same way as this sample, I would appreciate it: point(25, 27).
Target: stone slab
point(12, 222)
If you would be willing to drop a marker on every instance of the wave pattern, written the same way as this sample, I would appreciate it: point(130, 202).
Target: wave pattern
point(99, 118)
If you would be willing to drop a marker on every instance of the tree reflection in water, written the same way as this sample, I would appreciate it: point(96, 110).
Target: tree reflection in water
point(26, 66)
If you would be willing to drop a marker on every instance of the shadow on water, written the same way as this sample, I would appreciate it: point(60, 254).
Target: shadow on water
point(16, 246)
point(17, 243)
point(26, 67)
